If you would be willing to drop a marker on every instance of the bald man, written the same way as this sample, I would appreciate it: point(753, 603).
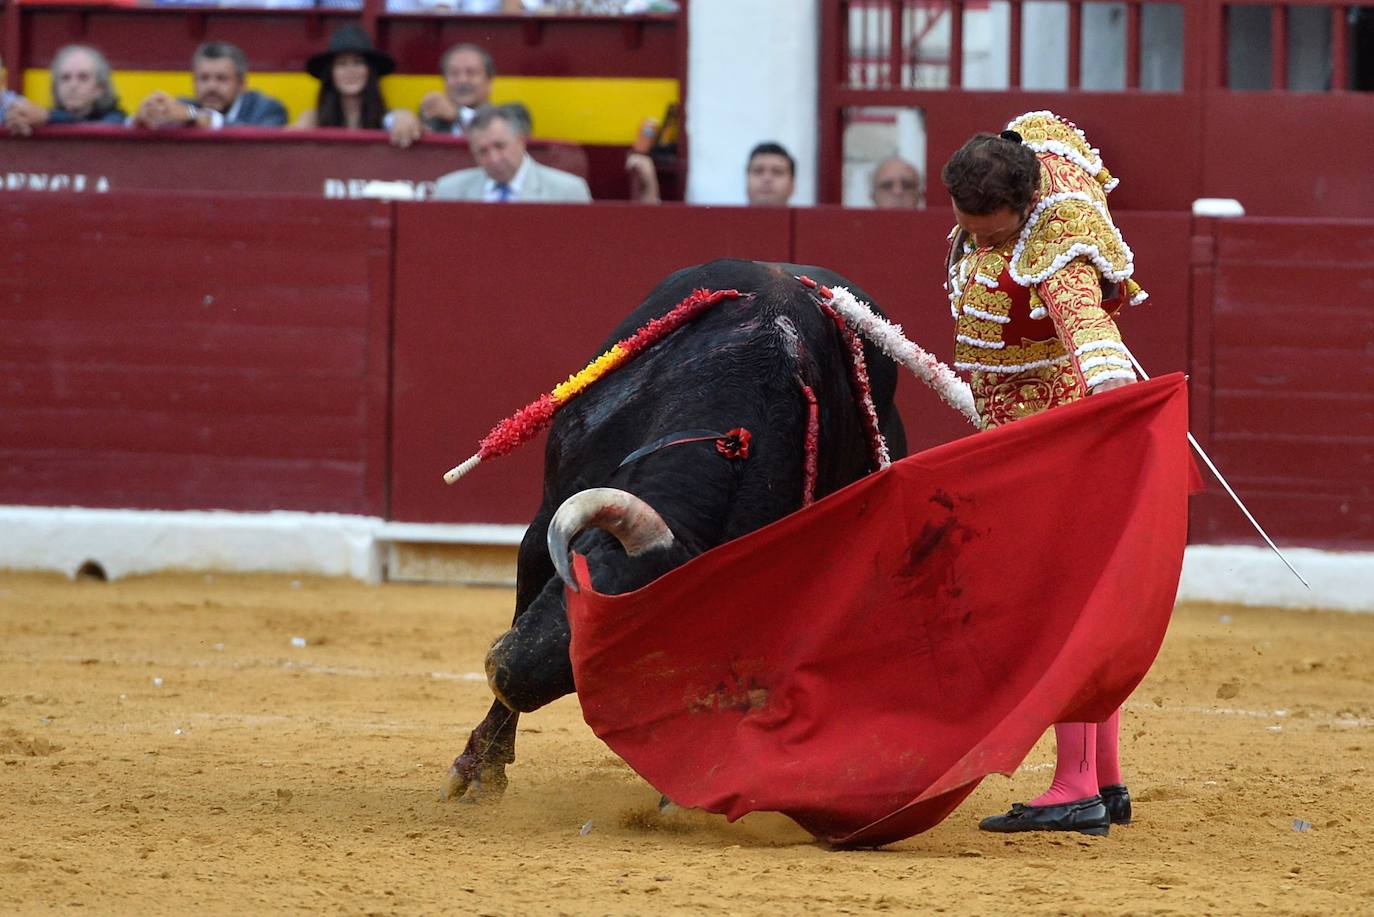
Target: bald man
point(896, 184)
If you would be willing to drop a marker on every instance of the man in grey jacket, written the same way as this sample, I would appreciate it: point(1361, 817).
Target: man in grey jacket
point(505, 172)
point(219, 71)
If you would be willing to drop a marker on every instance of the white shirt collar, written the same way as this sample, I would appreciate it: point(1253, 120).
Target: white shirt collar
point(232, 112)
point(517, 183)
point(465, 116)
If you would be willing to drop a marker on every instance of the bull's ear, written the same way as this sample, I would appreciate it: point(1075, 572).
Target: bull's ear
point(634, 523)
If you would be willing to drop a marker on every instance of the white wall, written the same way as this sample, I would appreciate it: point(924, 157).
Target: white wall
point(128, 542)
point(751, 77)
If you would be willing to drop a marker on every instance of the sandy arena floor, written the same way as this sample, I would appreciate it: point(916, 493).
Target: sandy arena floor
point(164, 745)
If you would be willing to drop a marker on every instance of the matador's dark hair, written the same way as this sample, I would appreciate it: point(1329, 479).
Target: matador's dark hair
point(991, 172)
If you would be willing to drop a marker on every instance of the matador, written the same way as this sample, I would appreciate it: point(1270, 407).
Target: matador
point(1036, 272)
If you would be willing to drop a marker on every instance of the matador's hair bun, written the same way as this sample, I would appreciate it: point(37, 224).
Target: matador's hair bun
point(1011, 135)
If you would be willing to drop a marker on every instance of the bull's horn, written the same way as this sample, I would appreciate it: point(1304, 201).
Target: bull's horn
point(632, 521)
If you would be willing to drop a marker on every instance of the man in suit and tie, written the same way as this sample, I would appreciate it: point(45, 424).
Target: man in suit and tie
point(505, 172)
point(219, 71)
point(467, 70)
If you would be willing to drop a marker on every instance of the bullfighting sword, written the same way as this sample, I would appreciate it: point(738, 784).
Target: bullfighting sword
point(1202, 454)
point(890, 339)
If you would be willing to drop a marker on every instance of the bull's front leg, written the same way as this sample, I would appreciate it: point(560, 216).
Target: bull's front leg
point(479, 773)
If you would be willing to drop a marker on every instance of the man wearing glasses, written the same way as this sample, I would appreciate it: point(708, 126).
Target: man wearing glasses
point(896, 184)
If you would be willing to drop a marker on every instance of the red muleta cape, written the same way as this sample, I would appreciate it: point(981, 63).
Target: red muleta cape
point(862, 664)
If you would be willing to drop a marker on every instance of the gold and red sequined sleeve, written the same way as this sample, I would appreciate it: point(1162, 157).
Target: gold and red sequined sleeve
point(1072, 297)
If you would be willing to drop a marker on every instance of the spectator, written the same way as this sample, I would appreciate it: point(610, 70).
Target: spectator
point(643, 175)
point(520, 117)
point(640, 165)
point(770, 175)
point(601, 7)
point(467, 70)
point(896, 185)
point(505, 171)
point(7, 96)
point(81, 94)
point(349, 72)
point(219, 71)
point(443, 6)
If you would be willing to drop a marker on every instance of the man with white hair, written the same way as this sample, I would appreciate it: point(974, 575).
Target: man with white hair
point(81, 94)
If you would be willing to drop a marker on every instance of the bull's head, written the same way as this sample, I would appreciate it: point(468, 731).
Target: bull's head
point(528, 666)
point(629, 519)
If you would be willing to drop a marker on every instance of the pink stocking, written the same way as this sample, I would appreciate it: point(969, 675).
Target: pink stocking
point(1075, 765)
point(1108, 764)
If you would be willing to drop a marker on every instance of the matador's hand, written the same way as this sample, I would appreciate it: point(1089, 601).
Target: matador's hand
point(1109, 385)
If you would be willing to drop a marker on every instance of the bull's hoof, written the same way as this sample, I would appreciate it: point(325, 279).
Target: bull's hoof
point(487, 787)
point(470, 782)
point(454, 784)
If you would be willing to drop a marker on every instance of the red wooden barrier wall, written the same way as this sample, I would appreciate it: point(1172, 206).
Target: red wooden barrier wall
point(496, 305)
point(329, 162)
point(1290, 378)
point(1290, 154)
point(189, 351)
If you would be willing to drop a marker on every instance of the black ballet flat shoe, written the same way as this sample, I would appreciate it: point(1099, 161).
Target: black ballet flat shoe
point(1086, 816)
point(1117, 799)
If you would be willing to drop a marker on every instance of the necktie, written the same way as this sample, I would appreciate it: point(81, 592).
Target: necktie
point(502, 191)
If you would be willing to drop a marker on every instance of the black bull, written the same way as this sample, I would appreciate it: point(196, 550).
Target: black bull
point(741, 364)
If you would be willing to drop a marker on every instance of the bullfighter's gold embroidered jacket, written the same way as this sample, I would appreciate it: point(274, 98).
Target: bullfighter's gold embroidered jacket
point(1034, 317)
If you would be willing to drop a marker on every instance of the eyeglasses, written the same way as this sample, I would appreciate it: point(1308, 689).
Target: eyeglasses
point(896, 184)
